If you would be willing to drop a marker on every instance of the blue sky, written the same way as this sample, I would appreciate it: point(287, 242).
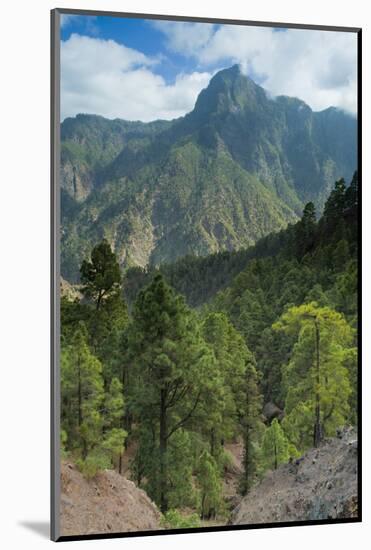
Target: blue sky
point(139, 34)
point(148, 69)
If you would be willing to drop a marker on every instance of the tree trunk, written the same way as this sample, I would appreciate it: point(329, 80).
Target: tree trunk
point(212, 442)
point(79, 399)
point(246, 466)
point(100, 295)
point(203, 506)
point(317, 435)
point(79, 393)
point(163, 450)
point(275, 456)
point(126, 418)
point(245, 487)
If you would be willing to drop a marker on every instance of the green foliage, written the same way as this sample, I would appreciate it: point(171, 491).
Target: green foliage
point(82, 395)
point(335, 203)
point(101, 276)
point(175, 520)
point(232, 356)
point(113, 443)
point(64, 437)
point(114, 403)
point(210, 486)
point(275, 446)
point(180, 470)
point(251, 427)
point(275, 324)
point(306, 230)
point(172, 372)
point(92, 396)
point(91, 418)
point(92, 464)
point(238, 167)
point(316, 378)
point(114, 436)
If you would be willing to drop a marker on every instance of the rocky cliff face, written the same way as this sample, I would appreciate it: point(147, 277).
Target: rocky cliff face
point(320, 485)
point(239, 166)
point(109, 503)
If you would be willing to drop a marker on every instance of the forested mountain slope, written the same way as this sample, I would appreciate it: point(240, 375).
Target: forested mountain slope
point(179, 385)
point(308, 261)
point(239, 166)
point(200, 278)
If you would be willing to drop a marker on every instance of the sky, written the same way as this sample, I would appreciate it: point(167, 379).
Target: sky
point(145, 70)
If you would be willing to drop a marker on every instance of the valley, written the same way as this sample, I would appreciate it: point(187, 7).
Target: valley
point(236, 168)
point(209, 314)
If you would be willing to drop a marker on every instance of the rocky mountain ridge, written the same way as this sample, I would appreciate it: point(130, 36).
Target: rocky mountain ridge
point(239, 166)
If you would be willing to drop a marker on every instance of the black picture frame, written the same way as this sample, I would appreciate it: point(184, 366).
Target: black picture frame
point(55, 270)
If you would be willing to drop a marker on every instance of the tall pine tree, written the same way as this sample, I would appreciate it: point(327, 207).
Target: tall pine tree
point(101, 275)
point(316, 378)
point(275, 446)
point(172, 365)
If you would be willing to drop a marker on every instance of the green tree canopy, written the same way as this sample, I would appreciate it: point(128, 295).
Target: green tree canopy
point(82, 395)
point(316, 378)
point(251, 426)
point(232, 356)
point(210, 486)
point(101, 275)
point(172, 366)
point(306, 230)
point(275, 446)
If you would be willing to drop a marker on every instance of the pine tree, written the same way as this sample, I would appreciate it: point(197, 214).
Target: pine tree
point(344, 292)
point(275, 446)
point(114, 404)
point(351, 193)
point(106, 329)
point(309, 217)
point(317, 382)
point(270, 353)
point(172, 365)
point(82, 394)
point(210, 486)
point(341, 255)
point(252, 427)
point(101, 275)
point(335, 206)
point(181, 465)
point(306, 230)
point(114, 435)
point(228, 397)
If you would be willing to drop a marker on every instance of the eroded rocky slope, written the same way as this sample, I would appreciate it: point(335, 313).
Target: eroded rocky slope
point(107, 503)
point(320, 485)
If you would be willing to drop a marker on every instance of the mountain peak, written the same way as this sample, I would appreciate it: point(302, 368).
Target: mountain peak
point(229, 90)
point(230, 72)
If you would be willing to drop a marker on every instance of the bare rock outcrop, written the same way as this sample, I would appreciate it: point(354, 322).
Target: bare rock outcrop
point(322, 484)
point(271, 411)
point(105, 504)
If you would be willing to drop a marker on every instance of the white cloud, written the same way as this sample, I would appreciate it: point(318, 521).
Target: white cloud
point(185, 37)
point(319, 67)
point(103, 77)
point(66, 19)
point(84, 22)
point(107, 78)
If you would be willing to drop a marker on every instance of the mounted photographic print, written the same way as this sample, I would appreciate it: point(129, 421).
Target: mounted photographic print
point(205, 251)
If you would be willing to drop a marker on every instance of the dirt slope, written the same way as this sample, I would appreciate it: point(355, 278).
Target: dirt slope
point(108, 503)
point(320, 485)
